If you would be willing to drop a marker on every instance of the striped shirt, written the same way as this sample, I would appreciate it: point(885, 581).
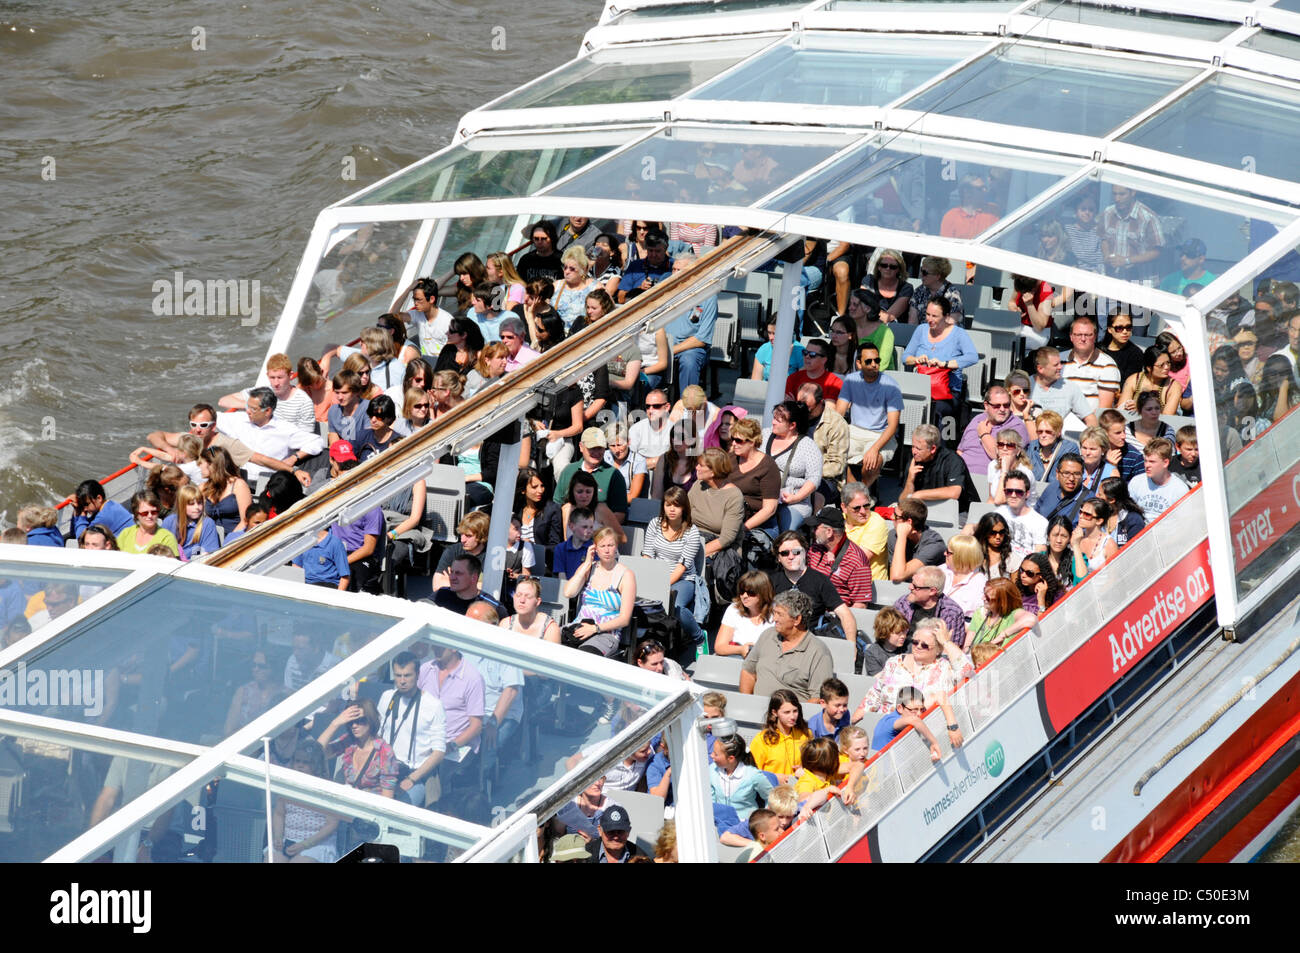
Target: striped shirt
point(685, 549)
point(851, 578)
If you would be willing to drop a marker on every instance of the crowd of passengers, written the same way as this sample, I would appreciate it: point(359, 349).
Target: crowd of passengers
point(775, 529)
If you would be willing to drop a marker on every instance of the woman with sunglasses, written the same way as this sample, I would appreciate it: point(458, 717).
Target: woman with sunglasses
point(606, 254)
point(888, 279)
point(1090, 543)
point(994, 537)
point(417, 408)
point(1046, 451)
point(368, 762)
point(1018, 386)
point(676, 468)
point(935, 666)
point(934, 282)
point(1154, 376)
point(748, 616)
point(1011, 458)
point(1038, 584)
point(1001, 618)
point(571, 296)
point(1246, 342)
point(869, 327)
point(636, 232)
point(1118, 344)
point(146, 530)
point(755, 475)
point(418, 373)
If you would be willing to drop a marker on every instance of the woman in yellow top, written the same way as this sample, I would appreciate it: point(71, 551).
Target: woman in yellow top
point(777, 747)
point(146, 532)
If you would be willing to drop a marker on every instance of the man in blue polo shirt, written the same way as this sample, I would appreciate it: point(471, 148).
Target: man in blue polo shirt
point(91, 508)
point(690, 336)
point(872, 403)
point(326, 563)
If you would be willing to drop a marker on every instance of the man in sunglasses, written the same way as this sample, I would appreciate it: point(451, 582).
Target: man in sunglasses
point(1028, 528)
point(872, 403)
point(816, 370)
point(979, 442)
point(649, 435)
point(542, 261)
point(203, 424)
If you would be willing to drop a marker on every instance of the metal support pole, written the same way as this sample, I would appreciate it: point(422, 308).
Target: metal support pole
point(781, 346)
point(697, 838)
point(297, 297)
point(503, 504)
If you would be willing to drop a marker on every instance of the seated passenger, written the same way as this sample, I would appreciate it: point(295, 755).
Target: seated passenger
point(980, 440)
point(513, 335)
point(326, 563)
point(893, 636)
point(90, 507)
point(226, 497)
point(380, 436)
point(909, 707)
point(146, 531)
point(308, 661)
point(815, 370)
point(834, 699)
point(1045, 452)
point(348, 418)
point(1001, 617)
point(611, 490)
point(748, 617)
point(936, 474)
point(921, 546)
point(60, 597)
point(1063, 496)
point(830, 432)
point(313, 382)
point(787, 657)
point(363, 537)
point(490, 367)
point(717, 505)
point(40, 523)
point(607, 595)
point(963, 576)
point(838, 558)
point(792, 556)
point(1040, 587)
point(1123, 458)
point(464, 341)
point(1186, 464)
point(543, 260)
point(573, 552)
point(571, 294)
point(582, 814)
point(1052, 393)
point(673, 538)
point(776, 748)
point(195, 532)
point(293, 406)
point(927, 601)
point(463, 588)
point(935, 665)
point(763, 357)
point(1157, 489)
point(644, 273)
point(799, 459)
point(430, 321)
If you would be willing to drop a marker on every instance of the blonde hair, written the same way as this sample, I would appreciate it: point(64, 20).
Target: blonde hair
point(505, 268)
point(1095, 434)
point(746, 428)
point(714, 700)
point(783, 800)
point(413, 395)
point(718, 460)
point(849, 734)
point(891, 253)
point(981, 653)
point(576, 255)
point(476, 522)
point(35, 514)
point(966, 553)
point(604, 533)
point(940, 266)
point(454, 383)
point(1051, 418)
point(1022, 458)
point(693, 397)
point(186, 495)
point(190, 446)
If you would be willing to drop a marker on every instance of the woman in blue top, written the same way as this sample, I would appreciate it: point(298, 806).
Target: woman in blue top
point(945, 346)
point(734, 779)
point(195, 532)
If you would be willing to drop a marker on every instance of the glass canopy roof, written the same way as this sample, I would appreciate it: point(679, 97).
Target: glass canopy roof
point(838, 71)
point(1052, 90)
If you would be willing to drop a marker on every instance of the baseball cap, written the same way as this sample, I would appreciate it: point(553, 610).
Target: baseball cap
point(342, 452)
point(594, 437)
point(615, 819)
point(1193, 248)
point(828, 516)
point(569, 847)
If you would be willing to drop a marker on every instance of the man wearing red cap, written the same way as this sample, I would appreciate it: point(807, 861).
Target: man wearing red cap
point(361, 538)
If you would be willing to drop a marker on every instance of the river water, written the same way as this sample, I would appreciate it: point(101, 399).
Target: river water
point(129, 155)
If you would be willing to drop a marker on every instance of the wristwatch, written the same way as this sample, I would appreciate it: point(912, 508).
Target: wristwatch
point(954, 727)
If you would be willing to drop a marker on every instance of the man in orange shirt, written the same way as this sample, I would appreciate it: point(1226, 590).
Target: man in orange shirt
point(972, 216)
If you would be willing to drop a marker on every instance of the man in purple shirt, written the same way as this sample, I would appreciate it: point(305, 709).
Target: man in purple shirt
point(979, 443)
point(458, 685)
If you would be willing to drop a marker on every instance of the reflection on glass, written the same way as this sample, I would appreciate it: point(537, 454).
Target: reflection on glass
point(722, 169)
point(1127, 18)
point(1278, 44)
point(1232, 122)
point(935, 194)
point(826, 72)
point(169, 658)
point(1142, 236)
point(355, 281)
point(489, 169)
point(714, 8)
point(922, 6)
point(32, 596)
point(489, 734)
point(633, 74)
point(1051, 90)
point(52, 792)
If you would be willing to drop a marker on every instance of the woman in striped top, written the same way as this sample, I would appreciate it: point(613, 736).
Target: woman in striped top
point(672, 537)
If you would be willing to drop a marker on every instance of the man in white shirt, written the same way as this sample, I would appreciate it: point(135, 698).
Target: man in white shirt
point(258, 428)
point(649, 435)
point(292, 406)
point(1088, 367)
point(308, 661)
point(1157, 489)
point(430, 321)
point(414, 724)
point(1052, 393)
point(1028, 528)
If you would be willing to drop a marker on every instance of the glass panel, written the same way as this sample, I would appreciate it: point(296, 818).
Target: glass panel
point(493, 167)
point(917, 188)
point(1292, 5)
point(712, 166)
point(355, 282)
point(1254, 340)
point(32, 595)
point(1232, 122)
point(1279, 44)
point(1085, 94)
point(839, 72)
point(1143, 230)
point(168, 658)
point(1128, 18)
point(52, 792)
point(634, 74)
point(716, 8)
point(557, 715)
point(922, 6)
